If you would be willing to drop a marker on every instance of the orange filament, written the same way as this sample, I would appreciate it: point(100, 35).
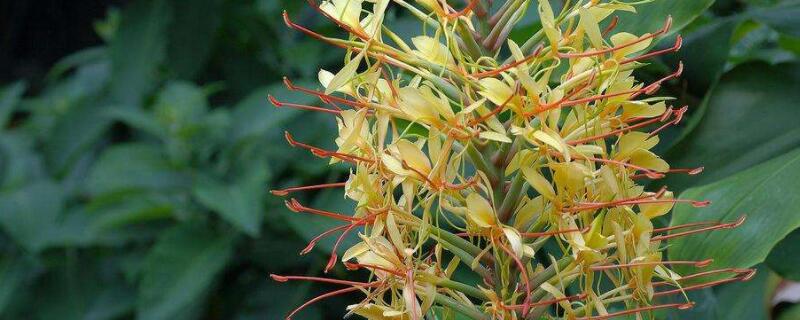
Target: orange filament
point(322, 153)
point(730, 225)
point(681, 306)
point(663, 30)
point(279, 104)
point(295, 206)
point(699, 264)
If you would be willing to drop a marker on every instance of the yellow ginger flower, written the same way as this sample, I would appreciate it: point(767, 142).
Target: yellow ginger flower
point(523, 164)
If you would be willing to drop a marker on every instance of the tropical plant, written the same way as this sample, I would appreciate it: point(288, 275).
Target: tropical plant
point(134, 175)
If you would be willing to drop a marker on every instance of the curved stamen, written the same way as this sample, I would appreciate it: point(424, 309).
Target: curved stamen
point(296, 206)
point(675, 47)
point(279, 104)
point(681, 306)
point(546, 302)
point(663, 30)
point(699, 264)
point(281, 278)
point(284, 192)
point(730, 225)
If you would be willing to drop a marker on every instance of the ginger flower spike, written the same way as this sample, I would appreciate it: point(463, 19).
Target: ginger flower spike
point(520, 163)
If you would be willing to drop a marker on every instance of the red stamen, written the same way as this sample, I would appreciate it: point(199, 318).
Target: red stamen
point(663, 30)
point(284, 192)
point(326, 295)
point(336, 21)
point(680, 306)
point(745, 275)
point(730, 225)
point(355, 266)
point(613, 132)
point(563, 102)
point(678, 117)
point(551, 233)
point(334, 256)
point(699, 264)
point(295, 206)
point(649, 173)
point(420, 174)
point(308, 32)
point(674, 48)
point(738, 272)
point(471, 5)
point(688, 225)
point(524, 273)
point(495, 110)
point(653, 87)
point(280, 278)
point(688, 171)
point(322, 153)
point(325, 97)
point(506, 67)
point(611, 25)
point(279, 104)
point(627, 202)
point(546, 302)
point(315, 240)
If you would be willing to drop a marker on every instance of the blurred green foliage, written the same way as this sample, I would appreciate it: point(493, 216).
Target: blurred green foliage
point(135, 183)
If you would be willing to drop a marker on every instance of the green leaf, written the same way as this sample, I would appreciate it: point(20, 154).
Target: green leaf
point(9, 97)
point(134, 166)
point(784, 258)
point(746, 300)
point(74, 133)
point(129, 208)
point(782, 17)
point(138, 49)
point(78, 287)
point(764, 193)
point(191, 35)
point(14, 271)
point(704, 54)
point(240, 203)
point(20, 163)
point(650, 17)
point(84, 57)
point(29, 214)
point(180, 104)
point(792, 313)
point(180, 270)
point(750, 118)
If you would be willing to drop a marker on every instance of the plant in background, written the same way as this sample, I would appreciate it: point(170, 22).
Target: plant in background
point(524, 164)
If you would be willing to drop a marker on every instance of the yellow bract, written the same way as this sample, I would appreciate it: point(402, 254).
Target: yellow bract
point(479, 211)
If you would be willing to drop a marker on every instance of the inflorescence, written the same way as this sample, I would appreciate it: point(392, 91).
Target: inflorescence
point(521, 163)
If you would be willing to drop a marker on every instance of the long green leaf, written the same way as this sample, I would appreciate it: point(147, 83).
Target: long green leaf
point(30, 214)
point(766, 194)
point(138, 49)
point(784, 259)
point(650, 17)
point(751, 117)
point(179, 270)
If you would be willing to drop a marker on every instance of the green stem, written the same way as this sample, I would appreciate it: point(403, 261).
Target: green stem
point(470, 44)
point(512, 198)
point(481, 164)
point(472, 313)
point(551, 271)
point(464, 256)
point(460, 287)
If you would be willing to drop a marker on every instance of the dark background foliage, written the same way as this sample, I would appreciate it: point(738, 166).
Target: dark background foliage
point(137, 149)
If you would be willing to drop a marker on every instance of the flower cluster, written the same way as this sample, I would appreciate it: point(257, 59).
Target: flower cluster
point(520, 163)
